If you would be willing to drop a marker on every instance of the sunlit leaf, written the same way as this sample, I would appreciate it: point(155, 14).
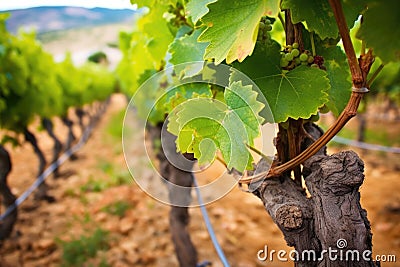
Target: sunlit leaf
point(232, 28)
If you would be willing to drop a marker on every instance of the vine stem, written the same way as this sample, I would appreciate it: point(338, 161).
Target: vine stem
point(359, 70)
point(363, 49)
point(375, 74)
point(222, 162)
point(282, 20)
point(268, 159)
point(356, 74)
point(312, 44)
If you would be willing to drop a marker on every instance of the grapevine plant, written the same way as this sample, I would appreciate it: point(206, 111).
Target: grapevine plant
point(301, 56)
point(34, 87)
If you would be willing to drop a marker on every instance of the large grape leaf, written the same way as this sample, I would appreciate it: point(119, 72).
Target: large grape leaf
point(200, 119)
point(243, 101)
point(380, 29)
point(232, 28)
point(338, 75)
point(187, 49)
point(265, 61)
point(196, 9)
point(229, 126)
point(295, 94)
point(319, 16)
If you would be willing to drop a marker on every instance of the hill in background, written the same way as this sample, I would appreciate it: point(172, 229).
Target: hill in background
point(76, 30)
point(45, 19)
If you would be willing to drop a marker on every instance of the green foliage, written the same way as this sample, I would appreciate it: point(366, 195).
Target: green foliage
point(319, 16)
point(230, 126)
point(144, 48)
point(232, 32)
point(197, 9)
point(297, 93)
point(28, 89)
point(187, 49)
point(388, 81)
point(78, 251)
point(33, 85)
point(117, 208)
point(98, 57)
point(111, 177)
point(94, 185)
point(114, 127)
point(380, 29)
point(338, 72)
point(180, 94)
point(297, 80)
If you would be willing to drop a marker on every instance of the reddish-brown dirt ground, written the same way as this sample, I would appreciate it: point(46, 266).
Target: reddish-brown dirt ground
point(141, 236)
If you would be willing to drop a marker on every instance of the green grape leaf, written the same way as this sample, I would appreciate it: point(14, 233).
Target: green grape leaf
point(243, 101)
point(207, 151)
point(209, 119)
point(380, 29)
point(187, 49)
point(230, 126)
point(183, 30)
point(196, 9)
point(232, 32)
point(357, 43)
point(295, 94)
point(338, 71)
point(264, 62)
point(155, 27)
point(319, 16)
point(136, 61)
point(180, 94)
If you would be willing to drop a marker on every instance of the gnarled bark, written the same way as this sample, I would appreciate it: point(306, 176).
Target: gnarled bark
point(57, 147)
point(8, 198)
point(330, 228)
point(80, 113)
point(71, 137)
point(334, 183)
point(41, 193)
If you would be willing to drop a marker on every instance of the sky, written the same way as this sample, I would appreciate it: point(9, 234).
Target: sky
point(19, 4)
